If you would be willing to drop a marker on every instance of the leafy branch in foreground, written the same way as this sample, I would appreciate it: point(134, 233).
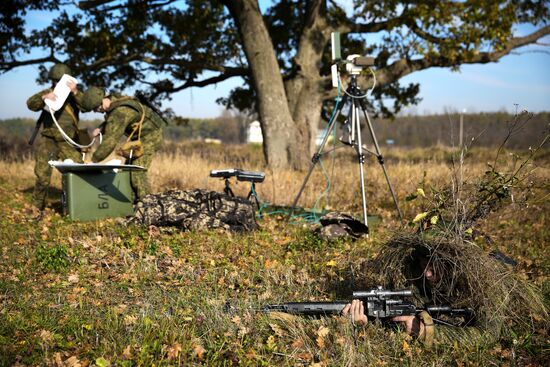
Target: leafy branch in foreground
point(457, 207)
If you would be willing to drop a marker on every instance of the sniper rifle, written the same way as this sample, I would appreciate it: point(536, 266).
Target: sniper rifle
point(379, 303)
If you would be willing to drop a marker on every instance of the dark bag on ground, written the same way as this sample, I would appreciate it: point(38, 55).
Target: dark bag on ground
point(335, 225)
point(194, 210)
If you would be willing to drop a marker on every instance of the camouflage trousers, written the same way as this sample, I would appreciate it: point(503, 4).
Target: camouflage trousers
point(139, 179)
point(49, 149)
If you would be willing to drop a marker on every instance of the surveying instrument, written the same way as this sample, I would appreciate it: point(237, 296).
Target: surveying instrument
point(350, 105)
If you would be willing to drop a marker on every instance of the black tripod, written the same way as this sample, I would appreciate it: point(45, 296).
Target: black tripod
point(354, 99)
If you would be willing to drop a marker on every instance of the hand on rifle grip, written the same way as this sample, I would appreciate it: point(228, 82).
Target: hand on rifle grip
point(356, 311)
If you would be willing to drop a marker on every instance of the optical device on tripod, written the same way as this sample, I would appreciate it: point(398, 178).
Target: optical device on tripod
point(247, 176)
point(351, 105)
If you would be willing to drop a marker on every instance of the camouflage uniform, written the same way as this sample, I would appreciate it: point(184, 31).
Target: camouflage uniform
point(120, 120)
point(51, 145)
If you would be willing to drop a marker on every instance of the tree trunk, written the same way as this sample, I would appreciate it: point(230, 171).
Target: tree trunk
point(283, 139)
point(305, 89)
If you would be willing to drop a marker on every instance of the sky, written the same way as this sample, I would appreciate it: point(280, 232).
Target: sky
point(516, 80)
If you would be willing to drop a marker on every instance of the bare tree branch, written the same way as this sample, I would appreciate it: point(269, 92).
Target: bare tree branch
point(7, 66)
point(402, 67)
point(352, 26)
point(89, 4)
point(423, 34)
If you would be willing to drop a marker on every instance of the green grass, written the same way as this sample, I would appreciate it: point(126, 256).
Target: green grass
point(100, 293)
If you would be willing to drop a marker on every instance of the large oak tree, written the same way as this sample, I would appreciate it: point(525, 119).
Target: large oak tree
point(170, 45)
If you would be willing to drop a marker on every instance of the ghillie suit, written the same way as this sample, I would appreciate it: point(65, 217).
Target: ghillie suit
point(195, 209)
point(465, 277)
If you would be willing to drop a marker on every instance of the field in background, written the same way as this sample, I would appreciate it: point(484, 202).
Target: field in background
point(100, 293)
point(486, 129)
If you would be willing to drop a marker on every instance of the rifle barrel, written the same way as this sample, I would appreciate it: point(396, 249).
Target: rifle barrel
point(308, 308)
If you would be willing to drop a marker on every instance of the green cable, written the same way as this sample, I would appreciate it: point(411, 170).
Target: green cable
point(308, 216)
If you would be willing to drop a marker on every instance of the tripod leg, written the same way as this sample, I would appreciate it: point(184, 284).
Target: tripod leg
point(381, 159)
point(361, 157)
point(252, 193)
point(227, 189)
point(317, 154)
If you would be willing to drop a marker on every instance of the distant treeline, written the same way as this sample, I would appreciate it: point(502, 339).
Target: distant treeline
point(487, 129)
point(228, 128)
point(14, 137)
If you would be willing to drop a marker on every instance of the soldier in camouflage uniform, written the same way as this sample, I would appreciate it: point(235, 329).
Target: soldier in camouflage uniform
point(126, 116)
point(456, 273)
point(51, 145)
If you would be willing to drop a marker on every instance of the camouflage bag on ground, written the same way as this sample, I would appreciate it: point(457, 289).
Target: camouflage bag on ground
point(335, 225)
point(195, 209)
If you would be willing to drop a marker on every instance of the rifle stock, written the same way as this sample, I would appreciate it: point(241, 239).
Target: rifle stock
point(37, 127)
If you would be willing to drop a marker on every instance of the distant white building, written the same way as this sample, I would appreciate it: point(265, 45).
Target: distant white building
point(255, 133)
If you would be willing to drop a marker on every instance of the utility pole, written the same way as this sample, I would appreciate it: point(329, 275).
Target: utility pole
point(461, 129)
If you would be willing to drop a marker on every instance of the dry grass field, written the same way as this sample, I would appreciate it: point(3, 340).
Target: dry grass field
point(102, 293)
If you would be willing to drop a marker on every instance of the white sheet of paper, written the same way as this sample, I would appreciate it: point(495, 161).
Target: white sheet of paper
point(61, 91)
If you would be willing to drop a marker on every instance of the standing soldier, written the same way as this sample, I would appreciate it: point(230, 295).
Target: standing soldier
point(127, 116)
point(51, 145)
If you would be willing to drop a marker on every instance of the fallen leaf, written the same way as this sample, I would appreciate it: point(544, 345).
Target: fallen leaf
point(130, 320)
point(321, 333)
point(271, 342)
point(73, 278)
point(407, 348)
point(243, 330)
point(174, 351)
point(305, 356)
point(198, 351)
point(73, 362)
point(58, 360)
point(277, 329)
point(46, 336)
point(419, 217)
point(298, 343)
point(127, 353)
point(236, 320)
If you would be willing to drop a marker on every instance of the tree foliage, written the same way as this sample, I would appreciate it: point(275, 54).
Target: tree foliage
point(167, 46)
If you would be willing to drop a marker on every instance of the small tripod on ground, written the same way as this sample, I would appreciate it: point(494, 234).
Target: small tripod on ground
point(354, 100)
point(247, 176)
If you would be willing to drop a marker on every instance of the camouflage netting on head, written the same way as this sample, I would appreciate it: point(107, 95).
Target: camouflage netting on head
point(195, 209)
point(465, 276)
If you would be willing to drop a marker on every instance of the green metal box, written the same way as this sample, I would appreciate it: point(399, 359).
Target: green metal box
point(97, 194)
